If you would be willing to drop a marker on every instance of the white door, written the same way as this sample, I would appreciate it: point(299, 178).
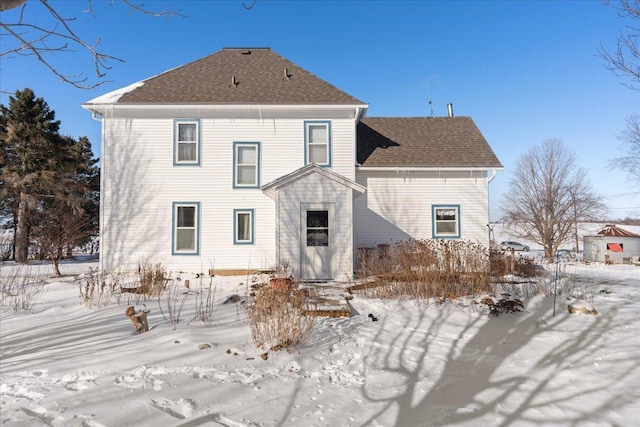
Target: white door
point(317, 239)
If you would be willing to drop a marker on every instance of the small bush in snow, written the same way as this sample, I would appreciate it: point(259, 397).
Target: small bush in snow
point(152, 278)
point(171, 302)
point(204, 301)
point(279, 320)
point(20, 289)
point(98, 290)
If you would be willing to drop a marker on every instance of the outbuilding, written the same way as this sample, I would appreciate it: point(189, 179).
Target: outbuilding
point(611, 245)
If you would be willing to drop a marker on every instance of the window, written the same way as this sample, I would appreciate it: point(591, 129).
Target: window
point(186, 150)
point(446, 221)
point(317, 228)
point(186, 225)
point(317, 137)
point(246, 164)
point(243, 226)
point(615, 247)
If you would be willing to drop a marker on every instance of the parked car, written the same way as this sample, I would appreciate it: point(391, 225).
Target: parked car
point(513, 246)
point(565, 254)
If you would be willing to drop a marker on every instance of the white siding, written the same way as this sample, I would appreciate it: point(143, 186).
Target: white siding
point(309, 190)
point(398, 205)
point(140, 183)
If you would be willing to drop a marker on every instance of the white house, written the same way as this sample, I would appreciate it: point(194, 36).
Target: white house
point(243, 160)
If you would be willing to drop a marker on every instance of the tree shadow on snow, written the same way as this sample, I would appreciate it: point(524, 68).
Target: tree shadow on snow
point(503, 370)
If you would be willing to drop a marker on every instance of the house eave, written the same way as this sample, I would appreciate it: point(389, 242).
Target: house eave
point(426, 168)
point(260, 111)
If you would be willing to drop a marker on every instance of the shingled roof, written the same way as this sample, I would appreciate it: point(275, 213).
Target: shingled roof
point(423, 142)
point(237, 76)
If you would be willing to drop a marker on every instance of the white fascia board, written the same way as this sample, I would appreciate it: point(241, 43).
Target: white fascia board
point(254, 110)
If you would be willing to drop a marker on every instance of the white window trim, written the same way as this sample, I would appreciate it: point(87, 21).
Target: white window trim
point(236, 146)
point(176, 142)
point(174, 229)
point(307, 143)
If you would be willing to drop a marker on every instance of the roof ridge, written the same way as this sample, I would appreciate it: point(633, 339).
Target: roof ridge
point(246, 48)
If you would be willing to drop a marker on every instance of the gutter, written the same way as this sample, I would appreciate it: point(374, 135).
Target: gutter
point(427, 168)
point(359, 108)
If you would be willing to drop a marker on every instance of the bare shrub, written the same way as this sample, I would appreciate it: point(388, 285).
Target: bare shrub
point(507, 263)
point(279, 320)
point(98, 290)
point(123, 286)
point(173, 299)
point(152, 278)
point(20, 288)
point(422, 269)
point(204, 301)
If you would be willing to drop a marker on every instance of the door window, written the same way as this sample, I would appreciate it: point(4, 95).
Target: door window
point(317, 228)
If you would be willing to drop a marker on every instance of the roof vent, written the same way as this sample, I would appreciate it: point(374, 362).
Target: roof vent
point(246, 52)
point(450, 109)
point(286, 76)
point(234, 83)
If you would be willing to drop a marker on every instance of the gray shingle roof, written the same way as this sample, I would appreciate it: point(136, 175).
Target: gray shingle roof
point(258, 74)
point(423, 142)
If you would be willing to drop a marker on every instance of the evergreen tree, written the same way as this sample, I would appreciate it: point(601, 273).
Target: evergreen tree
point(49, 183)
point(28, 146)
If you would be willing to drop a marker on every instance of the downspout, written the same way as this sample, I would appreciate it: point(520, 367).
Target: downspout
point(94, 116)
point(493, 175)
point(278, 252)
point(356, 120)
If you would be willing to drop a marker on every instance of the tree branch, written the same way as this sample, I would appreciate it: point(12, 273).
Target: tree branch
point(624, 61)
point(39, 41)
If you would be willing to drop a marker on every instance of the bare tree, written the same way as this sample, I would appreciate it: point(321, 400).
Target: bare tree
point(629, 161)
point(57, 226)
point(24, 38)
point(548, 195)
point(625, 59)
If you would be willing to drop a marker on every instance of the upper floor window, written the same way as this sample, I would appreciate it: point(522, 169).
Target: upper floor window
point(317, 135)
point(186, 228)
point(186, 149)
point(246, 164)
point(446, 221)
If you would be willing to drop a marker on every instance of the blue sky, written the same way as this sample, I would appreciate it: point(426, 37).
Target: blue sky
point(524, 71)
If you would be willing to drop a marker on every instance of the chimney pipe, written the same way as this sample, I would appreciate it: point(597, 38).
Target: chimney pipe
point(450, 109)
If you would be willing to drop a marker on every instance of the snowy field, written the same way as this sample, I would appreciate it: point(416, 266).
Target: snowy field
point(66, 365)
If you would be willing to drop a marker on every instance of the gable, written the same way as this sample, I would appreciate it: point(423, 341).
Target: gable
point(423, 142)
point(310, 170)
point(233, 76)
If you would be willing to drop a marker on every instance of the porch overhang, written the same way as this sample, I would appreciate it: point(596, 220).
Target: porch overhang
point(272, 187)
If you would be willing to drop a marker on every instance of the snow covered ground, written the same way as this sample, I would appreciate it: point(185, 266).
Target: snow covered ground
point(66, 365)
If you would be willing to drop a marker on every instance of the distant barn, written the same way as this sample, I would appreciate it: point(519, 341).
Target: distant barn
point(612, 245)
